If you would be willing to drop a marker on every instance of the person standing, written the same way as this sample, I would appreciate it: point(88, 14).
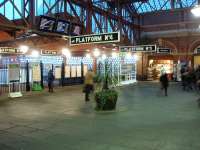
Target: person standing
point(88, 84)
point(164, 83)
point(50, 80)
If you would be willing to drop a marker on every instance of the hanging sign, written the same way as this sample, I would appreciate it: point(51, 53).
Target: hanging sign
point(10, 50)
point(138, 48)
point(48, 52)
point(95, 38)
point(163, 50)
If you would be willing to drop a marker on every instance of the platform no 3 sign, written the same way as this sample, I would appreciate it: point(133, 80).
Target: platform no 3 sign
point(14, 80)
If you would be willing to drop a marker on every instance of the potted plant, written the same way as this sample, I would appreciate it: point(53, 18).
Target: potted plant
point(106, 96)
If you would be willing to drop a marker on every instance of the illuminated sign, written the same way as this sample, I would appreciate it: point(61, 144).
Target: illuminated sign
point(95, 38)
point(49, 52)
point(138, 48)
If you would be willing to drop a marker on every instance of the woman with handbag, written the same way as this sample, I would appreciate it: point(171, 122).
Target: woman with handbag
point(88, 84)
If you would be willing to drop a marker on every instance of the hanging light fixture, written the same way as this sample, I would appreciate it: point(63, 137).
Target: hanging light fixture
point(87, 55)
point(35, 53)
point(24, 48)
point(66, 52)
point(114, 55)
point(104, 56)
point(96, 52)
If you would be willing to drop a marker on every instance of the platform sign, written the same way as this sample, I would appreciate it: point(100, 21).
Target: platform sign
point(95, 38)
point(138, 48)
point(164, 50)
point(10, 50)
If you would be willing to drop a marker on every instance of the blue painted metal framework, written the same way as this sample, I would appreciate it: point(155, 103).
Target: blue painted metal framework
point(96, 16)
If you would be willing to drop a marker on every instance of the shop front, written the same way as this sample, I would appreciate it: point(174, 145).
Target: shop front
point(157, 65)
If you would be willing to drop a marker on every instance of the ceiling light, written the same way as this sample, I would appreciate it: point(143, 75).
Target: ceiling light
point(196, 11)
point(114, 55)
point(87, 55)
point(34, 53)
point(96, 52)
point(104, 56)
point(128, 55)
point(136, 57)
point(24, 48)
point(66, 52)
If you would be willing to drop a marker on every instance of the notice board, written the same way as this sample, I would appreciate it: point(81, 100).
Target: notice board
point(14, 72)
point(36, 73)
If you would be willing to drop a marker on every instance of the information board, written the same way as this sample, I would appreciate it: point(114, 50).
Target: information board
point(73, 71)
point(36, 73)
point(85, 69)
point(67, 71)
point(57, 72)
point(78, 71)
point(14, 72)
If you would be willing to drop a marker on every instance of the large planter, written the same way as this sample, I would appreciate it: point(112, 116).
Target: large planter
point(106, 100)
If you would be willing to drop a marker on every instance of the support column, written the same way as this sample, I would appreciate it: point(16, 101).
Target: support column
point(63, 74)
point(89, 18)
point(27, 77)
point(41, 73)
point(32, 13)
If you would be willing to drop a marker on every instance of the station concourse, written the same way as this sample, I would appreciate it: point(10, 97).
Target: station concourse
point(92, 74)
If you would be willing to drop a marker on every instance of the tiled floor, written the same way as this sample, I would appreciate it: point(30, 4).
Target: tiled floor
point(144, 120)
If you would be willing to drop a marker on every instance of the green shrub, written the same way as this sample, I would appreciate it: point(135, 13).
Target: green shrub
point(106, 99)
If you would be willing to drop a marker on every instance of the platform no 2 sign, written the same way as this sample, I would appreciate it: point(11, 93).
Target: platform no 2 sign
point(14, 80)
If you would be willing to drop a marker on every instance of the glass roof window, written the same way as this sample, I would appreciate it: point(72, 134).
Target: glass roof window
point(157, 5)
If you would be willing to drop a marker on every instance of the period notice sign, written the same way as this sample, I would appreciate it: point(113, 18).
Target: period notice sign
point(164, 50)
point(95, 38)
point(138, 48)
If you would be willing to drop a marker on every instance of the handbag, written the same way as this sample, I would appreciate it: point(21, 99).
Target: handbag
point(84, 89)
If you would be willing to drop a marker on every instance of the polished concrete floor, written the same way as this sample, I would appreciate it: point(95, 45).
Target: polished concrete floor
point(144, 120)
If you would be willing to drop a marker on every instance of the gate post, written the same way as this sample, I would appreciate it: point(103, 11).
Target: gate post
point(27, 77)
point(62, 74)
point(82, 72)
point(41, 73)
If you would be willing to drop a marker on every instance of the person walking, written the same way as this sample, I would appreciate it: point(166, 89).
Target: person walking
point(164, 83)
point(88, 84)
point(50, 80)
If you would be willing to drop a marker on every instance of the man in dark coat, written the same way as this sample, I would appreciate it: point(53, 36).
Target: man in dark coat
point(50, 80)
point(164, 82)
